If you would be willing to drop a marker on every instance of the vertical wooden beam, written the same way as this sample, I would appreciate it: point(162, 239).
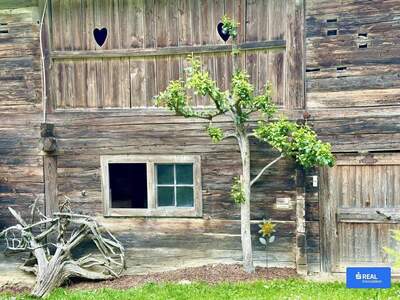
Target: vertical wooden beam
point(46, 42)
point(301, 253)
point(327, 222)
point(50, 184)
point(48, 146)
point(295, 54)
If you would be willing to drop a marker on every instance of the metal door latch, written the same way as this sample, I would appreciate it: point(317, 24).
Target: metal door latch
point(384, 215)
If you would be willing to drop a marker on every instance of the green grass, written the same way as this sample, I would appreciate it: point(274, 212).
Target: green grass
point(280, 289)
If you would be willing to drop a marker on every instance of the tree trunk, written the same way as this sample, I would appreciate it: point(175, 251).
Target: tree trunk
point(245, 207)
point(50, 276)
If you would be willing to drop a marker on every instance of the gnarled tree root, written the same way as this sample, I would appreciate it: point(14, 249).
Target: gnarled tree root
point(52, 263)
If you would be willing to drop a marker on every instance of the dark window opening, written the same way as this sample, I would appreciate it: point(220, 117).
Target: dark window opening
point(363, 34)
point(341, 68)
point(364, 45)
point(333, 20)
point(331, 32)
point(128, 185)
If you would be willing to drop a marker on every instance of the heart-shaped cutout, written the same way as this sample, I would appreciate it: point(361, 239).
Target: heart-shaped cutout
point(100, 36)
point(224, 35)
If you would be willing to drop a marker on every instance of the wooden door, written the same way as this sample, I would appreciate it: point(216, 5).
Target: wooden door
point(360, 205)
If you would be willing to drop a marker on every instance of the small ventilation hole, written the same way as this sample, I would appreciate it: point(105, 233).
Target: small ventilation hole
point(313, 69)
point(3, 30)
point(363, 34)
point(363, 45)
point(341, 68)
point(331, 32)
point(333, 20)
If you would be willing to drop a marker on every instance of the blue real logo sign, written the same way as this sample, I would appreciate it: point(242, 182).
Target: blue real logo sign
point(365, 277)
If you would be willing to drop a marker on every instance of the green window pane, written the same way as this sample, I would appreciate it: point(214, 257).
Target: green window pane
point(184, 196)
point(165, 174)
point(184, 174)
point(165, 196)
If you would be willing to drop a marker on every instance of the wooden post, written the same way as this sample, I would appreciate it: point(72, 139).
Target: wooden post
point(301, 254)
point(295, 56)
point(48, 145)
point(327, 218)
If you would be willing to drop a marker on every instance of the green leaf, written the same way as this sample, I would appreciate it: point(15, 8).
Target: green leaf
point(237, 192)
point(215, 133)
point(229, 26)
point(297, 141)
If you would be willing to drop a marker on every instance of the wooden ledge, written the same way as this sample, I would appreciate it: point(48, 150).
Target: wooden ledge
point(167, 51)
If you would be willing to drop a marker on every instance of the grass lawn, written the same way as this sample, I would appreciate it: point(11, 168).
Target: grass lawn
point(278, 289)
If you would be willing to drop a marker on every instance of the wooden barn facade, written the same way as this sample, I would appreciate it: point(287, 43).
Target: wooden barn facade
point(335, 63)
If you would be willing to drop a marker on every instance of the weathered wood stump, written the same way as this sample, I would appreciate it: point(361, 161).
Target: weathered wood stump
point(50, 243)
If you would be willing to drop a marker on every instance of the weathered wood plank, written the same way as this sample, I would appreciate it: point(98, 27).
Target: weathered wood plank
point(327, 218)
point(360, 98)
point(11, 4)
point(164, 51)
point(364, 207)
point(294, 63)
point(159, 37)
point(50, 184)
point(368, 215)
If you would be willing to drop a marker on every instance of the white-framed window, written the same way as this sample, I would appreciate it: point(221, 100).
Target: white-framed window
point(151, 185)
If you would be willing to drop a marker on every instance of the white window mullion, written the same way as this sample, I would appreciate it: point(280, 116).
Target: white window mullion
point(151, 186)
point(175, 185)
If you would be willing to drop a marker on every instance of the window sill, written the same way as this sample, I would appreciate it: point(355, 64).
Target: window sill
point(154, 212)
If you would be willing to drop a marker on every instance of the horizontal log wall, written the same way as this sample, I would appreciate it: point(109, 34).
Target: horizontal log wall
point(152, 244)
point(366, 130)
point(352, 53)
point(352, 98)
point(84, 136)
point(21, 167)
point(19, 68)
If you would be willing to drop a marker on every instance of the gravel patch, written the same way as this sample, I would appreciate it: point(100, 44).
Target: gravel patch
point(211, 274)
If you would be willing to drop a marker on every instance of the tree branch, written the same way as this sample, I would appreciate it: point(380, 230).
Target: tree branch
point(33, 209)
point(17, 217)
point(208, 116)
point(265, 168)
point(230, 136)
point(28, 269)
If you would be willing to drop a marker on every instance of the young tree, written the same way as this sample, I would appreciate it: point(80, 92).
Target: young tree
point(244, 106)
